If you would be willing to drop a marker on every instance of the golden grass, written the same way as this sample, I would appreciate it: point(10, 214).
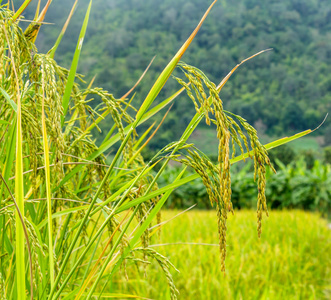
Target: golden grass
point(290, 261)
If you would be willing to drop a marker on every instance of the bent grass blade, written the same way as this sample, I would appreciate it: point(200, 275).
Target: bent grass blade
point(161, 80)
point(189, 178)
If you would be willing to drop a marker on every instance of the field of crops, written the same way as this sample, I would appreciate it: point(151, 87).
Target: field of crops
point(76, 223)
point(290, 261)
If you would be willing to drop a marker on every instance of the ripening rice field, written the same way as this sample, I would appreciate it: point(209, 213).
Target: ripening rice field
point(67, 213)
point(290, 261)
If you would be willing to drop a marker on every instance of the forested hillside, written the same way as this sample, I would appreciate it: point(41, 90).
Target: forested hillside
point(287, 89)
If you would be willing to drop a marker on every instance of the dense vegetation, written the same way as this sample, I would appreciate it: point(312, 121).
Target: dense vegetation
point(302, 184)
point(283, 90)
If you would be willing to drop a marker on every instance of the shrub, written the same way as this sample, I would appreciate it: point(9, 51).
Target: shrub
point(284, 153)
point(294, 186)
point(327, 154)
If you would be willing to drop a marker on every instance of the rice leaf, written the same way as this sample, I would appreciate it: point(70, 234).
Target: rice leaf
point(119, 296)
point(162, 79)
point(274, 144)
point(37, 10)
point(62, 213)
point(106, 112)
point(74, 64)
point(48, 190)
point(20, 10)
point(58, 40)
point(10, 101)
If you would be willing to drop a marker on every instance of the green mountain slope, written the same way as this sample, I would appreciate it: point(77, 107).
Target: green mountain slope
point(287, 89)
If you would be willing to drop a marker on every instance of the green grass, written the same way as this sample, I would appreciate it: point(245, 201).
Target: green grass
point(290, 261)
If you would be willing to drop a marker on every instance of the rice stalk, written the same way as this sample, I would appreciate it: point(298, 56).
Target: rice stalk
point(48, 189)
point(19, 186)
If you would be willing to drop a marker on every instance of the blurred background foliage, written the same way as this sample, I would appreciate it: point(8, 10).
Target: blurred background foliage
point(301, 182)
point(286, 90)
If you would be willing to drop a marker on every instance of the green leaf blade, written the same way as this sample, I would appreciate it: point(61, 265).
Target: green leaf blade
point(74, 64)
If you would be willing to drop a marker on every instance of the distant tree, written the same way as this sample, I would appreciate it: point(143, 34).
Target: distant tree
point(292, 116)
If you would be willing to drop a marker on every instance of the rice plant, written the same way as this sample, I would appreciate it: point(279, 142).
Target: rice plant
point(66, 213)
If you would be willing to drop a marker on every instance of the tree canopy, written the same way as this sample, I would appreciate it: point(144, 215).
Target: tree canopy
point(287, 89)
